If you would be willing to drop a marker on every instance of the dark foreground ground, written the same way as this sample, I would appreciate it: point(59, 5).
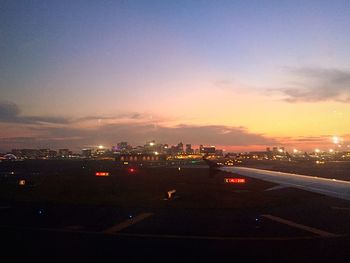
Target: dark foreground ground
point(65, 213)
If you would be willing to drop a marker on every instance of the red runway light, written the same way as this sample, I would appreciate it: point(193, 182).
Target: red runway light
point(102, 174)
point(132, 170)
point(235, 180)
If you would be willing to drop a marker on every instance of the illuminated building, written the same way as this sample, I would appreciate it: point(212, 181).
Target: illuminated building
point(189, 149)
point(207, 149)
point(86, 153)
point(219, 152)
point(64, 153)
point(122, 147)
point(180, 147)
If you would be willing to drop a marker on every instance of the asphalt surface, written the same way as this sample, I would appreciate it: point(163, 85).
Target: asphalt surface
point(66, 213)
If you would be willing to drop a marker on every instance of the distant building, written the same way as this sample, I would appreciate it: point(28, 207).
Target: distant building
point(207, 149)
point(219, 152)
point(17, 152)
point(180, 147)
point(189, 149)
point(86, 153)
point(173, 150)
point(151, 147)
point(137, 150)
point(44, 153)
point(34, 153)
point(10, 157)
point(64, 153)
point(276, 150)
point(52, 154)
point(27, 153)
point(122, 147)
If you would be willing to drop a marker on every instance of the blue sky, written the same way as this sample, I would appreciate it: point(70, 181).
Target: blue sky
point(166, 59)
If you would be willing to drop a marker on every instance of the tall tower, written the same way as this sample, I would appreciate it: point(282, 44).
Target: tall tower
point(180, 147)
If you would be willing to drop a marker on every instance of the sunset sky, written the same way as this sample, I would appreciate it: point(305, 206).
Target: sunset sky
point(242, 75)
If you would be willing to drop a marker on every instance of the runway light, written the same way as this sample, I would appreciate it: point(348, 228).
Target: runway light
point(102, 173)
point(234, 180)
point(22, 182)
point(132, 170)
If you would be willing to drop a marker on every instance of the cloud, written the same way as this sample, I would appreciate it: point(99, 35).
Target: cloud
point(11, 113)
point(139, 133)
point(8, 110)
point(317, 85)
point(131, 116)
point(133, 127)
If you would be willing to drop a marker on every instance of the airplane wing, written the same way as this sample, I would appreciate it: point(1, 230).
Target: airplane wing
point(325, 186)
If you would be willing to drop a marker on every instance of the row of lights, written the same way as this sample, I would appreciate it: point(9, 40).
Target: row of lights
point(335, 139)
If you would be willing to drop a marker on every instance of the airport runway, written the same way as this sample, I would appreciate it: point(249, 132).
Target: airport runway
point(207, 218)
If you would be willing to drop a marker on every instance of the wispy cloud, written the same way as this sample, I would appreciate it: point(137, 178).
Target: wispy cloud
point(317, 85)
point(132, 116)
point(11, 113)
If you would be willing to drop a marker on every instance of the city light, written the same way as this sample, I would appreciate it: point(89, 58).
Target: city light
point(295, 151)
point(331, 150)
point(317, 150)
point(100, 147)
point(151, 143)
point(335, 139)
point(156, 153)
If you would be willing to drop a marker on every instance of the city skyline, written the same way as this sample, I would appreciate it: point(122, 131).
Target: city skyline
point(240, 75)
